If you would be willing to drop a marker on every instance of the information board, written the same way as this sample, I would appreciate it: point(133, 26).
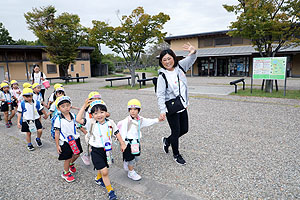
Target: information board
point(269, 68)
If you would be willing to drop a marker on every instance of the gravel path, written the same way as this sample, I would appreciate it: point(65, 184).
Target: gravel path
point(236, 148)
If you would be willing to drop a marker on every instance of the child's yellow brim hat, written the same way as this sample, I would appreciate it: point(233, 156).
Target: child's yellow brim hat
point(35, 85)
point(62, 98)
point(27, 91)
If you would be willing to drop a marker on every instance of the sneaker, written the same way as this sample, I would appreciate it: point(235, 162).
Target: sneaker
point(112, 195)
point(125, 165)
point(10, 123)
point(134, 176)
point(72, 168)
point(86, 159)
point(7, 125)
point(68, 177)
point(179, 160)
point(30, 147)
point(165, 145)
point(38, 142)
point(99, 182)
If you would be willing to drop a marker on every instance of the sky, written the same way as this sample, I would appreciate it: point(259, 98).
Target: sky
point(187, 16)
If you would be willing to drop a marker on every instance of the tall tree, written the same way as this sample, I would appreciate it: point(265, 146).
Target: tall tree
point(5, 38)
point(62, 35)
point(270, 24)
point(131, 37)
point(150, 57)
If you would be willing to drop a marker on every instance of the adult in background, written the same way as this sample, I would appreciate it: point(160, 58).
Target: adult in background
point(38, 77)
point(171, 83)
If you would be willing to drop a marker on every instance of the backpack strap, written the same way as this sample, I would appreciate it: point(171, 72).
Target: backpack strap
point(181, 68)
point(164, 76)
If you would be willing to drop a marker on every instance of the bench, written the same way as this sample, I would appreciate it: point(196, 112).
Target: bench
point(120, 78)
point(53, 78)
point(235, 84)
point(67, 79)
point(144, 81)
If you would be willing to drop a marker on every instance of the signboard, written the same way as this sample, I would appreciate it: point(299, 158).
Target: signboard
point(269, 68)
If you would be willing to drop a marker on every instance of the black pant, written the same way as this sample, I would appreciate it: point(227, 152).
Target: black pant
point(43, 93)
point(179, 125)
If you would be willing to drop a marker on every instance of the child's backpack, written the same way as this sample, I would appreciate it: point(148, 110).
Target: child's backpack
point(58, 115)
point(165, 78)
point(37, 105)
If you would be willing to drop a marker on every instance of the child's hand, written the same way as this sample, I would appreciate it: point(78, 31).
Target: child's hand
point(58, 149)
point(87, 102)
point(123, 146)
point(162, 117)
point(19, 126)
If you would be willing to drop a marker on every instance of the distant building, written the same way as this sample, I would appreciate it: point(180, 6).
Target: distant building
point(221, 55)
point(16, 62)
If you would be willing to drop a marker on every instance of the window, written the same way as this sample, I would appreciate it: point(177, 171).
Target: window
point(82, 67)
point(208, 42)
point(237, 40)
point(72, 67)
point(223, 41)
point(51, 69)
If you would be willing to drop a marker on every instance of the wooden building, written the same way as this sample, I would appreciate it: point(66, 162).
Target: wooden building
point(16, 62)
point(221, 55)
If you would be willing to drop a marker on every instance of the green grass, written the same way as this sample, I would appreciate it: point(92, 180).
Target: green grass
point(127, 87)
point(290, 94)
point(152, 70)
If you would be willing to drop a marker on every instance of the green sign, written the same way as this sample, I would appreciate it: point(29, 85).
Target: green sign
point(269, 68)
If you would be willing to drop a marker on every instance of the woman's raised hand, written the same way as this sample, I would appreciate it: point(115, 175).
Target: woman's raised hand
point(190, 48)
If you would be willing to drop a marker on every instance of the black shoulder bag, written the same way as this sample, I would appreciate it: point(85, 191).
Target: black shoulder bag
point(175, 105)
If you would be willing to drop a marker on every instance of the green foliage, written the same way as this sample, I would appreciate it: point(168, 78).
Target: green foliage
point(131, 37)
point(271, 25)
point(5, 38)
point(110, 60)
point(29, 43)
point(62, 34)
point(150, 57)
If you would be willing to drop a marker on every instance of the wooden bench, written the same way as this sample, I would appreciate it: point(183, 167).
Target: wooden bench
point(53, 78)
point(67, 79)
point(120, 78)
point(144, 81)
point(235, 84)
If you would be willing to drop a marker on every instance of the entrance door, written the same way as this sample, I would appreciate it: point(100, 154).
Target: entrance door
point(2, 73)
point(222, 69)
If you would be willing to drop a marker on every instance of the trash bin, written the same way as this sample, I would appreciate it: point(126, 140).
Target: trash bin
point(77, 75)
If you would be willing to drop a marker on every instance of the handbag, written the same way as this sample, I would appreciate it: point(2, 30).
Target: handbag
point(174, 105)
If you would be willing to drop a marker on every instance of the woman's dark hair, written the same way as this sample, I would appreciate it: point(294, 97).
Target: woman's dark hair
point(62, 102)
point(171, 53)
point(98, 107)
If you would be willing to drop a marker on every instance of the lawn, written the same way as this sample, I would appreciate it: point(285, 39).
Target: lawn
point(290, 94)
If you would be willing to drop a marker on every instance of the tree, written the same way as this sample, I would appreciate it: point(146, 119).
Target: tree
point(130, 39)
point(270, 24)
point(5, 38)
point(150, 57)
point(62, 35)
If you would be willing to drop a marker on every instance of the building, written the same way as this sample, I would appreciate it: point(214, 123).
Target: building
point(16, 62)
point(221, 55)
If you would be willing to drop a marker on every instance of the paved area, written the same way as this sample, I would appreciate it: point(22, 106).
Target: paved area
point(236, 148)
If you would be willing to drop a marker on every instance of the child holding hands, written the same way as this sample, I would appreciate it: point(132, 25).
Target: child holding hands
point(100, 139)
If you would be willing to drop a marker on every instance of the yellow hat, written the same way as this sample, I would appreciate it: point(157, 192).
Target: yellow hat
point(2, 85)
point(134, 103)
point(27, 91)
point(14, 82)
point(94, 95)
point(27, 85)
point(57, 85)
point(35, 85)
point(62, 98)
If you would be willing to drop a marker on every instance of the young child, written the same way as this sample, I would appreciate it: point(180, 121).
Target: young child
point(100, 133)
point(52, 96)
point(6, 104)
point(25, 85)
point(15, 92)
point(37, 95)
point(130, 129)
point(28, 118)
point(66, 138)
